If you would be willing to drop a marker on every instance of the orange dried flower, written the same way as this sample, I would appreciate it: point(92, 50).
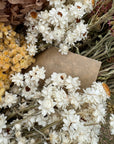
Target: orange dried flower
point(93, 2)
point(106, 88)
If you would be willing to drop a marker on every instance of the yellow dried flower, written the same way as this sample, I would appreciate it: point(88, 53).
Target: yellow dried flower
point(16, 58)
point(1, 25)
point(9, 27)
point(16, 67)
point(1, 48)
point(4, 29)
point(6, 67)
point(13, 33)
point(13, 55)
point(5, 52)
point(6, 42)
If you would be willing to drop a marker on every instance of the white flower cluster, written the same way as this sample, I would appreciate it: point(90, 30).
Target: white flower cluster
point(72, 117)
point(112, 124)
point(28, 82)
point(8, 100)
point(61, 25)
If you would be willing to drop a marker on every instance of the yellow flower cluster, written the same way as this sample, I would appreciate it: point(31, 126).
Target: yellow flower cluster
point(13, 55)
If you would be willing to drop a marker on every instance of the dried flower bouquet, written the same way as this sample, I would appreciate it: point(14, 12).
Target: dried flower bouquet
point(56, 112)
point(36, 110)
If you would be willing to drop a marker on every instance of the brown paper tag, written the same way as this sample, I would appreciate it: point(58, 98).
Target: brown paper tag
point(72, 64)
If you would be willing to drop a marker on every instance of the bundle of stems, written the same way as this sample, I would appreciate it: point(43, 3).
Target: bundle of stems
point(100, 46)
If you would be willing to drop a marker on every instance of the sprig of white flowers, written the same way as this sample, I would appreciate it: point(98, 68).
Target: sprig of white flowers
point(62, 24)
point(70, 116)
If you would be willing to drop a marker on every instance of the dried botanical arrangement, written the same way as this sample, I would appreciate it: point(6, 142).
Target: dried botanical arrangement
point(38, 109)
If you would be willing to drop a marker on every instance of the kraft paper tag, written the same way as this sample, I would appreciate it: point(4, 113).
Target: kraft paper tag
point(72, 64)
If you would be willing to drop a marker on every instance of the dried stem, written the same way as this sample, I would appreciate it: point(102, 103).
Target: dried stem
point(50, 125)
point(105, 38)
point(21, 111)
point(22, 120)
point(91, 124)
point(39, 132)
point(102, 19)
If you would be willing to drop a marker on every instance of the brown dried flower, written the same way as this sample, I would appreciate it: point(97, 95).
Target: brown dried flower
point(13, 11)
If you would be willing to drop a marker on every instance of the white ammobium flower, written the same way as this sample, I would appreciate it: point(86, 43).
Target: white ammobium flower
point(53, 137)
point(61, 98)
point(99, 112)
point(72, 84)
point(58, 79)
point(95, 94)
point(2, 122)
point(75, 99)
point(22, 140)
point(63, 49)
point(9, 99)
point(17, 79)
point(56, 2)
point(112, 124)
point(47, 106)
point(77, 10)
point(32, 49)
point(17, 127)
point(29, 92)
point(41, 120)
point(37, 73)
